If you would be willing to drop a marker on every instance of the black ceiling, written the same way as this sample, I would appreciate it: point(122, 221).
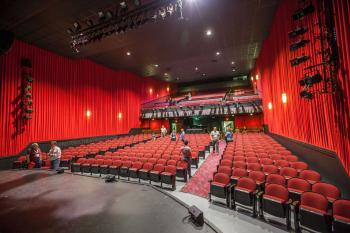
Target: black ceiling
point(177, 46)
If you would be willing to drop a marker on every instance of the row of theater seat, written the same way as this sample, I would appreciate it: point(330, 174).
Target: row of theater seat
point(163, 171)
point(267, 186)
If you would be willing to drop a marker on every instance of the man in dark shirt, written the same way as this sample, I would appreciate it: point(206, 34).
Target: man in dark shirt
point(186, 156)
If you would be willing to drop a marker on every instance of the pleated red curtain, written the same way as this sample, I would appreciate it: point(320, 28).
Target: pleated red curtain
point(323, 121)
point(63, 91)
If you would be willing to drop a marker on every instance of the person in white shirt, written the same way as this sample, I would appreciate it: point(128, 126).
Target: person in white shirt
point(163, 131)
point(215, 137)
point(55, 155)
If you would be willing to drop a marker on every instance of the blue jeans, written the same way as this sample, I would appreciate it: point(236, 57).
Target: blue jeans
point(55, 164)
point(37, 163)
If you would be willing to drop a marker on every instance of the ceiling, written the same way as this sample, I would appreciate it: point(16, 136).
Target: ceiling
point(177, 46)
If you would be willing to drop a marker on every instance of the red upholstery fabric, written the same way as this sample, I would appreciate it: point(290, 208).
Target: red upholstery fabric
point(341, 209)
point(328, 190)
point(225, 170)
point(257, 176)
point(221, 178)
point(314, 202)
point(275, 179)
point(277, 191)
point(246, 184)
point(299, 185)
point(289, 172)
point(310, 175)
point(254, 167)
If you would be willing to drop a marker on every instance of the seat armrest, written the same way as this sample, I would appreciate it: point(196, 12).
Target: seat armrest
point(259, 194)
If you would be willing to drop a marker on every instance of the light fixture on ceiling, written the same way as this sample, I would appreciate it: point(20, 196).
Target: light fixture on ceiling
point(156, 65)
point(128, 53)
point(166, 74)
point(196, 68)
point(208, 32)
point(203, 74)
point(232, 62)
point(233, 69)
point(217, 53)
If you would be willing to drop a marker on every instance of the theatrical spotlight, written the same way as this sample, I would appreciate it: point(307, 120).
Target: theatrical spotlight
point(298, 60)
point(297, 32)
point(302, 12)
point(298, 44)
point(306, 94)
point(310, 80)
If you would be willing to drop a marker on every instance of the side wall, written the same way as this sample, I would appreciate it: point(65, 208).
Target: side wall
point(323, 121)
point(63, 91)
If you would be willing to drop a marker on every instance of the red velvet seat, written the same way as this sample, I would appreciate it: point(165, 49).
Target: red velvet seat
point(181, 169)
point(154, 174)
point(219, 187)
point(226, 162)
point(281, 164)
point(95, 167)
point(124, 169)
point(76, 167)
point(144, 171)
point(239, 164)
point(104, 168)
point(288, 172)
point(20, 162)
point(275, 179)
point(171, 162)
point(224, 169)
point(341, 216)
point(134, 170)
point(312, 214)
point(300, 166)
point(244, 194)
point(275, 202)
point(236, 174)
point(252, 160)
point(291, 158)
point(162, 161)
point(253, 167)
point(266, 161)
point(311, 176)
point(168, 176)
point(330, 191)
point(270, 169)
point(239, 158)
point(296, 187)
point(259, 178)
point(86, 166)
point(114, 168)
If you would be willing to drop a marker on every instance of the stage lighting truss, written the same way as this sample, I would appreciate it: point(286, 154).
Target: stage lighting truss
point(122, 20)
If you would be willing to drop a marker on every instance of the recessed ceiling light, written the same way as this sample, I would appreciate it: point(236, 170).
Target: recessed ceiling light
point(196, 68)
point(218, 53)
point(232, 62)
point(203, 74)
point(233, 70)
point(128, 53)
point(177, 78)
point(208, 32)
point(156, 65)
point(165, 74)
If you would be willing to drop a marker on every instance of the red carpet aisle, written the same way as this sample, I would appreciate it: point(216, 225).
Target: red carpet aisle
point(199, 183)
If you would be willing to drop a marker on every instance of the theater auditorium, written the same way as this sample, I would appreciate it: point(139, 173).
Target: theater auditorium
point(174, 116)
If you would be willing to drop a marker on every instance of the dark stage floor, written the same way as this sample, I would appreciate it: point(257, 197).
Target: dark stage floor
point(42, 202)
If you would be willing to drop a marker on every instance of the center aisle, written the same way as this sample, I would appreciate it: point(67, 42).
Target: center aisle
point(199, 183)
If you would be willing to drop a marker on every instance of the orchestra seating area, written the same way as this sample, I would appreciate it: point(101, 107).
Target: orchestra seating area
point(259, 175)
point(152, 161)
point(86, 150)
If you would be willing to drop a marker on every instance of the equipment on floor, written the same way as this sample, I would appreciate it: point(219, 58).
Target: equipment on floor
point(60, 170)
point(196, 215)
point(110, 179)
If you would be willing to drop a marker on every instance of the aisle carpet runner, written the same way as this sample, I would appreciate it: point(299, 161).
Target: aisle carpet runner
point(199, 183)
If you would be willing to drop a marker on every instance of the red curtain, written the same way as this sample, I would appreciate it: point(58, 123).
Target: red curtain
point(63, 91)
point(323, 121)
point(249, 121)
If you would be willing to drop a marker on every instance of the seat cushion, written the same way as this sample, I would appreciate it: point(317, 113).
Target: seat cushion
point(295, 191)
point(341, 219)
point(273, 198)
point(313, 209)
point(168, 174)
point(218, 184)
point(244, 190)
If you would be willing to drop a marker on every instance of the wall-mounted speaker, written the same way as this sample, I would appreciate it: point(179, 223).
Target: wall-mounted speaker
point(6, 41)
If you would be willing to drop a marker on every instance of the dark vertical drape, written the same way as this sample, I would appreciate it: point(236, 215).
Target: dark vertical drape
point(63, 91)
point(323, 121)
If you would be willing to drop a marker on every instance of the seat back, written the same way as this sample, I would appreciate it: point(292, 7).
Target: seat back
point(310, 175)
point(137, 165)
point(221, 178)
point(170, 168)
point(328, 190)
point(257, 176)
point(224, 169)
point(161, 161)
point(314, 200)
point(277, 190)
point(299, 165)
point(171, 162)
point(275, 179)
point(342, 208)
point(239, 172)
point(147, 166)
point(158, 167)
point(246, 183)
point(299, 184)
point(289, 171)
point(270, 169)
point(254, 167)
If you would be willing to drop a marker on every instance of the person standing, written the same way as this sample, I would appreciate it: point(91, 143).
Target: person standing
point(163, 131)
point(229, 135)
point(215, 137)
point(55, 155)
point(173, 136)
point(186, 156)
point(182, 135)
point(34, 156)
